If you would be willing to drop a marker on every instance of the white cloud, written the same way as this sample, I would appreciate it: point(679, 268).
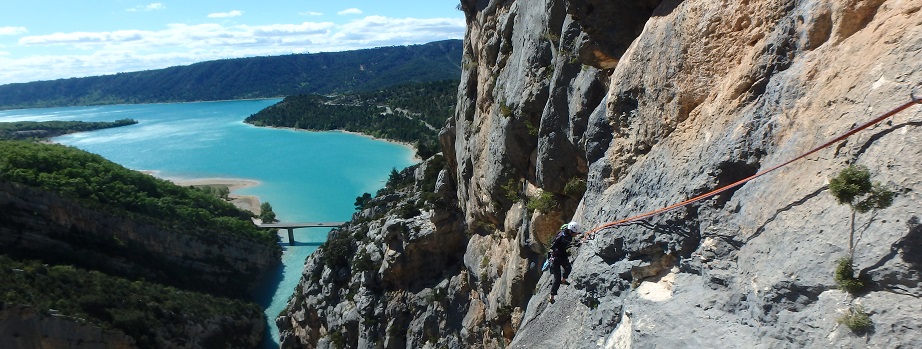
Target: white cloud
point(156, 6)
point(310, 13)
point(400, 31)
point(13, 30)
point(81, 38)
point(350, 11)
point(233, 13)
point(100, 53)
point(305, 28)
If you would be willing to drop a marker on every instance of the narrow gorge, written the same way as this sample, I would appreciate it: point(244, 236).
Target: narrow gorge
point(595, 111)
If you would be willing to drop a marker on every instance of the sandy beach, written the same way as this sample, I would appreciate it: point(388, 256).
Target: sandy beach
point(245, 202)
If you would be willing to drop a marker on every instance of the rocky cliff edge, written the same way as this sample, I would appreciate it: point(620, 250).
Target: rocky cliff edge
point(599, 110)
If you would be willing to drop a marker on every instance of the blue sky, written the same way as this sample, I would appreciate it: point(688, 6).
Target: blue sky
point(53, 39)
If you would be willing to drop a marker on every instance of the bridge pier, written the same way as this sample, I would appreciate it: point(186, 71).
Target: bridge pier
point(291, 236)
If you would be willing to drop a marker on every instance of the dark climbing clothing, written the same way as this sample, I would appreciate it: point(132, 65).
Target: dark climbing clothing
point(559, 263)
point(562, 241)
point(560, 258)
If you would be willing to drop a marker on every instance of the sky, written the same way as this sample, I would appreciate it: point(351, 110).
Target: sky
point(54, 39)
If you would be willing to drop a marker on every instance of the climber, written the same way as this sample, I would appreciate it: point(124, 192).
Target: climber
point(560, 258)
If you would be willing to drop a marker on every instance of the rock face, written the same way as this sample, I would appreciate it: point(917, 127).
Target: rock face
point(25, 327)
point(600, 110)
point(41, 223)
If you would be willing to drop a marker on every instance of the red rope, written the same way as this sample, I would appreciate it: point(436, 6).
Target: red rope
point(709, 194)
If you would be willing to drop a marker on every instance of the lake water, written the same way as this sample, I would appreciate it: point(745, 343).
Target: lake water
point(306, 176)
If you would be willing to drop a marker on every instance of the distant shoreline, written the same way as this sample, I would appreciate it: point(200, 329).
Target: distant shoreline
point(408, 145)
point(147, 103)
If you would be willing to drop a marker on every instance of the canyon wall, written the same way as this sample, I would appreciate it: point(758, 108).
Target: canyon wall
point(595, 111)
point(43, 225)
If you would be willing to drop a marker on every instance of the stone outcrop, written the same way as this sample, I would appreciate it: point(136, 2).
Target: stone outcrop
point(25, 327)
point(28, 328)
point(38, 223)
point(646, 104)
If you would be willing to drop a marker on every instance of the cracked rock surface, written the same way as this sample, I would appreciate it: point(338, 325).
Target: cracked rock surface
point(611, 118)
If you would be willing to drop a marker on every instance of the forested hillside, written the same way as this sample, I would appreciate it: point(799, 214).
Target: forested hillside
point(48, 129)
point(93, 179)
point(257, 77)
point(94, 250)
point(411, 113)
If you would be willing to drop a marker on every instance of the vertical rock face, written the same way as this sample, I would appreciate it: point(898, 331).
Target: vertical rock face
point(40, 223)
point(710, 93)
point(600, 110)
point(25, 327)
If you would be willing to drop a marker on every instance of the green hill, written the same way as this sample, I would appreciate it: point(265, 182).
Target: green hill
point(23, 130)
point(241, 78)
point(87, 242)
point(411, 113)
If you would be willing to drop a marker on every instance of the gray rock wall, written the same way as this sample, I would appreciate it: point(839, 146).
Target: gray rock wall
point(710, 93)
point(649, 103)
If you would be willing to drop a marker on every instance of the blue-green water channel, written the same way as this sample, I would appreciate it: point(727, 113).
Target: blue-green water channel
point(306, 176)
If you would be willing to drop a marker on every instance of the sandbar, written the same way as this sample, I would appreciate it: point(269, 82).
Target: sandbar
point(245, 202)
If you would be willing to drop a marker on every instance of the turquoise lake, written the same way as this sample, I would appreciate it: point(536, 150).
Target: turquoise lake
point(306, 176)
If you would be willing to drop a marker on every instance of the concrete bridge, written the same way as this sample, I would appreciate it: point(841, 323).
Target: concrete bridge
point(291, 226)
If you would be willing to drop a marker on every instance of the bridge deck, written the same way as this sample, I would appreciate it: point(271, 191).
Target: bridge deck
point(292, 225)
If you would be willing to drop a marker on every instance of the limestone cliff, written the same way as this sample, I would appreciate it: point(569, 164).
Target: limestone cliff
point(599, 110)
point(42, 224)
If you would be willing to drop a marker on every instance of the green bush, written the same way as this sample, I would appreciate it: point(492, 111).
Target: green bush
point(336, 250)
point(575, 187)
point(511, 189)
point(532, 129)
point(856, 319)
point(407, 211)
point(431, 173)
point(845, 276)
point(544, 202)
point(504, 109)
point(363, 262)
point(337, 340)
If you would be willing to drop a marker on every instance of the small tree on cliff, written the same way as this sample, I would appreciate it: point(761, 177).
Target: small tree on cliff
point(853, 187)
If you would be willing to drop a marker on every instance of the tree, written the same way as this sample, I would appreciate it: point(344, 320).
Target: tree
point(853, 187)
point(394, 178)
point(361, 201)
point(266, 215)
